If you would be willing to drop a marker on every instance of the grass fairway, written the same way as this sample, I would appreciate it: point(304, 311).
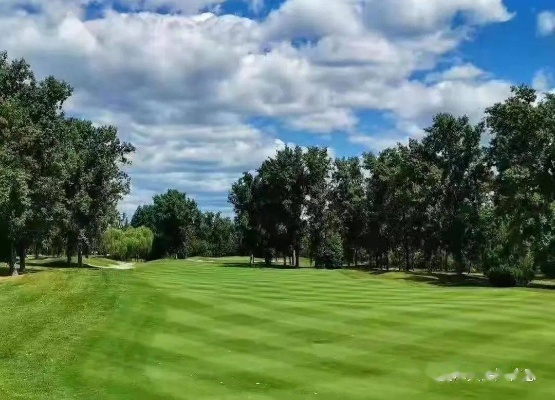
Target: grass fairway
point(210, 329)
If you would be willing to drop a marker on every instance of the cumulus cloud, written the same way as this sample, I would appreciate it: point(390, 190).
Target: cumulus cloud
point(456, 73)
point(184, 86)
point(328, 121)
point(546, 23)
point(418, 16)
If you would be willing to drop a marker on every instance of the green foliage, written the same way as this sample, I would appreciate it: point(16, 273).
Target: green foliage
point(329, 254)
point(181, 230)
point(128, 244)
point(347, 199)
point(435, 203)
point(503, 275)
point(60, 178)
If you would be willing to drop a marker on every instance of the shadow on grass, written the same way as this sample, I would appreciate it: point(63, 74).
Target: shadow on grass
point(58, 264)
point(442, 279)
point(541, 284)
point(455, 280)
point(448, 279)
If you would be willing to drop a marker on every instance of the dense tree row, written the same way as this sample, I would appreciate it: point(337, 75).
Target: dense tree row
point(444, 202)
point(60, 177)
point(181, 230)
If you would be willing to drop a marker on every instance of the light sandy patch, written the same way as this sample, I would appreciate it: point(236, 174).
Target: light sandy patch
point(120, 265)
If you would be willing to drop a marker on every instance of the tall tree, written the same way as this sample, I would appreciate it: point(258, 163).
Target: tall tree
point(523, 154)
point(241, 196)
point(453, 148)
point(282, 199)
point(32, 112)
point(317, 216)
point(347, 195)
point(95, 184)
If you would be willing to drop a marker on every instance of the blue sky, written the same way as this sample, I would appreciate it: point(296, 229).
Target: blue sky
point(206, 89)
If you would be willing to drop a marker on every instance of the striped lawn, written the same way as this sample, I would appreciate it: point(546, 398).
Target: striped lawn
point(215, 330)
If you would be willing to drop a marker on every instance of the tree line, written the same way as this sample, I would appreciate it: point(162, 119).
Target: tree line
point(466, 197)
point(180, 229)
point(60, 177)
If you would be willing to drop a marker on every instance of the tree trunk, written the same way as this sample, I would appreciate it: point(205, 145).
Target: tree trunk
point(297, 255)
point(36, 251)
point(22, 254)
point(13, 269)
point(251, 259)
point(407, 258)
point(79, 255)
point(268, 259)
point(284, 261)
point(356, 257)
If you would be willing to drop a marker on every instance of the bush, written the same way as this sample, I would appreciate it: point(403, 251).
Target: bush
point(509, 272)
point(501, 277)
point(329, 254)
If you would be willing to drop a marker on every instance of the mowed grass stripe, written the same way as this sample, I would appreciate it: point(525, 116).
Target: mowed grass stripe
point(202, 330)
point(270, 293)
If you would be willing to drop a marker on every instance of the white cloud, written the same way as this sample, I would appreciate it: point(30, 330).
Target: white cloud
point(418, 16)
point(541, 81)
point(333, 119)
point(456, 73)
point(313, 18)
point(418, 102)
point(184, 87)
point(546, 23)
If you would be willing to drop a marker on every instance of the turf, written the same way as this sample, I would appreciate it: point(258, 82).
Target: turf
point(216, 329)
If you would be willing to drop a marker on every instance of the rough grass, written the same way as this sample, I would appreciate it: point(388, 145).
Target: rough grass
point(220, 330)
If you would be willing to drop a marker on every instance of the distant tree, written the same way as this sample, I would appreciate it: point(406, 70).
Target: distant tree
point(175, 216)
point(144, 216)
point(128, 243)
point(241, 197)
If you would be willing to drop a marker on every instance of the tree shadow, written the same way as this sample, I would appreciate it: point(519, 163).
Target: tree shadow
point(542, 284)
point(379, 271)
point(445, 279)
point(54, 264)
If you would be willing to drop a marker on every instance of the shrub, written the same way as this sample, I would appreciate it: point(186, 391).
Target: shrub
point(509, 271)
point(501, 277)
point(329, 254)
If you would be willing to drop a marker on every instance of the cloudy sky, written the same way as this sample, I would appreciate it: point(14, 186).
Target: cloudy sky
point(206, 89)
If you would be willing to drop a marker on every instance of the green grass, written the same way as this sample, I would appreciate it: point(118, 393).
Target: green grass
point(220, 330)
